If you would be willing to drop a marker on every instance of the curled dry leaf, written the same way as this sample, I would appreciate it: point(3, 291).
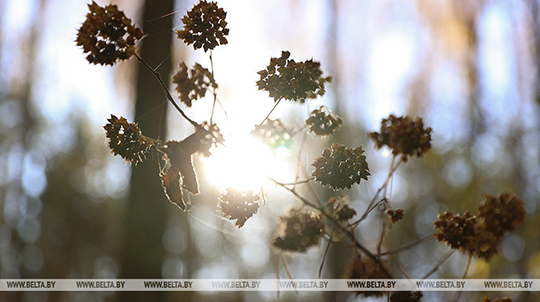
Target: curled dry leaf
point(179, 172)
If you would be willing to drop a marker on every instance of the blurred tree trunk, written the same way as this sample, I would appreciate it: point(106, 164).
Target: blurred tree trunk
point(147, 206)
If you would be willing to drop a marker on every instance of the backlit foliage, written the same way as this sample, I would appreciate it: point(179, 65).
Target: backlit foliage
point(108, 36)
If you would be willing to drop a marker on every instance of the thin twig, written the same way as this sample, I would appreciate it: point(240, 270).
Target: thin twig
point(346, 233)
point(326, 251)
point(298, 182)
point(458, 294)
point(299, 160)
point(385, 183)
point(409, 246)
point(443, 259)
point(168, 94)
point(214, 91)
point(287, 269)
point(268, 115)
point(383, 229)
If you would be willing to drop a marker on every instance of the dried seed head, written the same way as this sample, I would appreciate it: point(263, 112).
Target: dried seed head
point(363, 267)
point(293, 81)
point(404, 136)
point(395, 215)
point(299, 231)
point(239, 205)
point(341, 208)
point(126, 140)
point(192, 84)
point(322, 122)
point(107, 35)
point(458, 231)
point(204, 26)
point(340, 167)
point(480, 235)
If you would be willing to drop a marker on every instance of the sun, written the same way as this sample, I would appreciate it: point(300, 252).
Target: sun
point(246, 163)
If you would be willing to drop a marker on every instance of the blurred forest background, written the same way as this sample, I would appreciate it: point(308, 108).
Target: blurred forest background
point(69, 209)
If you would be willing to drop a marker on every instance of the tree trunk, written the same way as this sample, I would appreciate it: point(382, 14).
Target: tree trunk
point(146, 208)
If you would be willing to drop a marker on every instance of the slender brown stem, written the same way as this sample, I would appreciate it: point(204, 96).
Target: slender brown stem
point(409, 246)
point(214, 91)
point(298, 182)
point(381, 239)
point(372, 202)
point(441, 261)
point(326, 251)
point(268, 115)
point(343, 231)
point(157, 75)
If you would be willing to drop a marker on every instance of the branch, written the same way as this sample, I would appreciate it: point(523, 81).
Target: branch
point(404, 248)
point(340, 228)
point(167, 93)
point(371, 204)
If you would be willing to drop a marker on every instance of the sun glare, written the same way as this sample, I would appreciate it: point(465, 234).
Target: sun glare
point(246, 164)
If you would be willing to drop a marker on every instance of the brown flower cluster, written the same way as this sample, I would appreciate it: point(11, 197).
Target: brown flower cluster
point(204, 26)
point(322, 122)
point(406, 297)
point(458, 231)
point(192, 84)
point(126, 139)
point(341, 208)
point(107, 35)
point(239, 205)
point(395, 215)
point(505, 299)
point(404, 136)
point(479, 235)
point(340, 167)
point(273, 133)
point(363, 267)
point(293, 81)
point(299, 231)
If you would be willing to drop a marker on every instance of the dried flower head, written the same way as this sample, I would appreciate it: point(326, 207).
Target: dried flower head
point(404, 136)
point(293, 81)
point(204, 26)
point(340, 167)
point(322, 122)
point(192, 84)
point(273, 133)
point(458, 231)
point(363, 267)
point(501, 213)
point(395, 215)
point(126, 140)
point(239, 205)
point(107, 35)
point(299, 231)
point(341, 208)
point(505, 299)
point(480, 235)
point(406, 297)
